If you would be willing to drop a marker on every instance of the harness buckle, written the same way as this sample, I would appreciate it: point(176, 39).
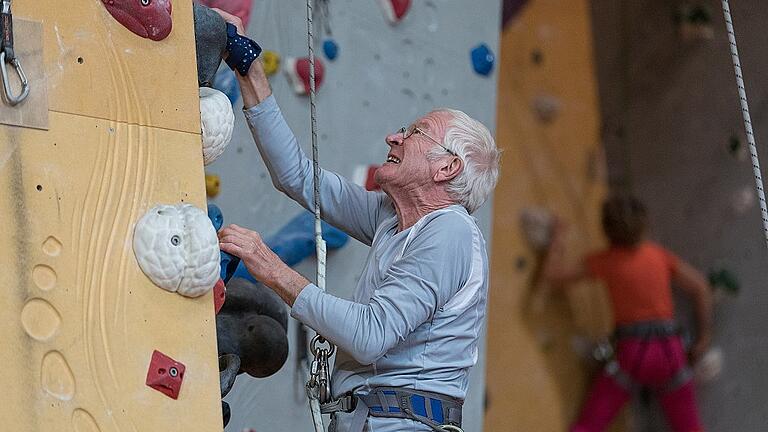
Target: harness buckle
point(346, 403)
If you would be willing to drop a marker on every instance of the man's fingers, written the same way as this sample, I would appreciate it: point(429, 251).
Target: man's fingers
point(232, 19)
point(232, 248)
point(253, 236)
point(237, 239)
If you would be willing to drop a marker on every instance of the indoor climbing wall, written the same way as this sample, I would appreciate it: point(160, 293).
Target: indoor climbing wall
point(111, 128)
point(548, 125)
point(383, 77)
point(675, 136)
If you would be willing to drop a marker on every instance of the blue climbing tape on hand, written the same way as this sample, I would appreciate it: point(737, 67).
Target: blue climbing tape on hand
point(242, 51)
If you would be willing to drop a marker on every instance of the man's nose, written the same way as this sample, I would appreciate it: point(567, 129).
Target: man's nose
point(394, 139)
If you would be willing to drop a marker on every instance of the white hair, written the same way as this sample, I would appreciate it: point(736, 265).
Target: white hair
point(474, 144)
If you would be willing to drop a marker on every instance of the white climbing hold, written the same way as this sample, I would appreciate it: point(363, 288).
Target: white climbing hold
point(546, 107)
point(744, 199)
point(177, 248)
point(710, 366)
point(217, 122)
point(537, 227)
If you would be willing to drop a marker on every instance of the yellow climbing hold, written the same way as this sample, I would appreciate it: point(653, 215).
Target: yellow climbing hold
point(271, 62)
point(212, 185)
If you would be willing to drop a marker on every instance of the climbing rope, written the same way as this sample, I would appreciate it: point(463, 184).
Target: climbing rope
point(745, 113)
point(319, 384)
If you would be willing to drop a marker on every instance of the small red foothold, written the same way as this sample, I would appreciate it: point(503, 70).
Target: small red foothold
point(365, 177)
point(219, 295)
point(395, 10)
point(165, 374)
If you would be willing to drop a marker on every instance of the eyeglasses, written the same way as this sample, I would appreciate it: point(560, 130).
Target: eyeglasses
point(413, 129)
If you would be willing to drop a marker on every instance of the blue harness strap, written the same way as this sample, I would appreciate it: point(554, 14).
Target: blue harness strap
point(432, 409)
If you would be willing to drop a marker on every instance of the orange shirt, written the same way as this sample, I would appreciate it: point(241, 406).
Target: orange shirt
point(638, 281)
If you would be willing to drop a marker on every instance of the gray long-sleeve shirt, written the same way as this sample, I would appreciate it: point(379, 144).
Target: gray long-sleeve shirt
point(417, 313)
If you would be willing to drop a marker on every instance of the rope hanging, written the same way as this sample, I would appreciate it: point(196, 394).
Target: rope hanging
point(319, 368)
point(320, 243)
point(745, 113)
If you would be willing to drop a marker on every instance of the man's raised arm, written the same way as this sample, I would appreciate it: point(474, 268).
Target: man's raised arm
point(344, 204)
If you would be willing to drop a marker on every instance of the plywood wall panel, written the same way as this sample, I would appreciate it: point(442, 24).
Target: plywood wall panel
point(80, 318)
point(98, 68)
point(535, 379)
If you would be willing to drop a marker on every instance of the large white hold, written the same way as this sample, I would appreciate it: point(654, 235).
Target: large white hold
point(217, 122)
point(709, 366)
point(177, 248)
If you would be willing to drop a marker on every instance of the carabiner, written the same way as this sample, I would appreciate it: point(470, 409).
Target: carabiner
point(9, 96)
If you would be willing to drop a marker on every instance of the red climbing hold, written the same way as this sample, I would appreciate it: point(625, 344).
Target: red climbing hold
point(365, 177)
point(149, 19)
point(219, 295)
point(165, 374)
point(238, 8)
point(297, 71)
point(395, 10)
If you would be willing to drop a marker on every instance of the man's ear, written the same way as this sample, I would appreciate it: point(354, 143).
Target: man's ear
point(449, 170)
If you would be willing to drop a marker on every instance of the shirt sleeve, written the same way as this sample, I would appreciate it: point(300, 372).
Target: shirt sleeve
point(435, 265)
point(345, 205)
point(671, 260)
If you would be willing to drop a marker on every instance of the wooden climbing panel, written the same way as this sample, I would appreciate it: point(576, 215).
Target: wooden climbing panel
point(81, 321)
point(548, 125)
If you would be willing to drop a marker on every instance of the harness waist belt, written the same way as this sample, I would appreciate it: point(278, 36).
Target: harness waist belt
point(647, 329)
point(430, 408)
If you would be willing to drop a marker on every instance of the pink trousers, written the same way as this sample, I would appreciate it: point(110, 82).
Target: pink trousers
point(650, 363)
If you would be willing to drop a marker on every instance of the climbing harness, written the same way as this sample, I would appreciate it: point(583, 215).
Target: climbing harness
point(7, 56)
point(745, 114)
point(646, 331)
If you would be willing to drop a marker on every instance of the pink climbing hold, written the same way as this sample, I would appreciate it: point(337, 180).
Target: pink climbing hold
point(297, 71)
point(395, 10)
point(165, 374)
point(149, 19)
point(238, 8)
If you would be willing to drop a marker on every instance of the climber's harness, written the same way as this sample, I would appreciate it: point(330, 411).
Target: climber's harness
point(646, 330)
point(438, 411)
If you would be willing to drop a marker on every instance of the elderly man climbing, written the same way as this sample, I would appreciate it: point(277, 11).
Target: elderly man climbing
point(409, 336)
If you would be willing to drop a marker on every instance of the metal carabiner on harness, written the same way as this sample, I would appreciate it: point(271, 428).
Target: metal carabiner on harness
point(320, 374)
point(7, 56)
point(319, 384)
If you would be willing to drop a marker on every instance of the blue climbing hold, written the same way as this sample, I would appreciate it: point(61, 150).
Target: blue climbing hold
point(295, 241)
point(216, 217)
point(225, 82)
point(482, 59)
point(331, 49)
point(229, 263)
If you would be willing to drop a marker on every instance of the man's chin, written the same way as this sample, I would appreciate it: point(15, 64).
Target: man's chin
point(380, 176)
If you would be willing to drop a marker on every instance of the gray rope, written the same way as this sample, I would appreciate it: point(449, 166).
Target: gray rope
point(319, 242)
point(312, 393)
point(745, 112)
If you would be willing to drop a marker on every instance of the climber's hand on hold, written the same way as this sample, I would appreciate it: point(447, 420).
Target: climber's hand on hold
point(261, 262)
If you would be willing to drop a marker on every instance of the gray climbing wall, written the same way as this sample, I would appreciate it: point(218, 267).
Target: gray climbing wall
point(670, 107)
point(384, 78)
